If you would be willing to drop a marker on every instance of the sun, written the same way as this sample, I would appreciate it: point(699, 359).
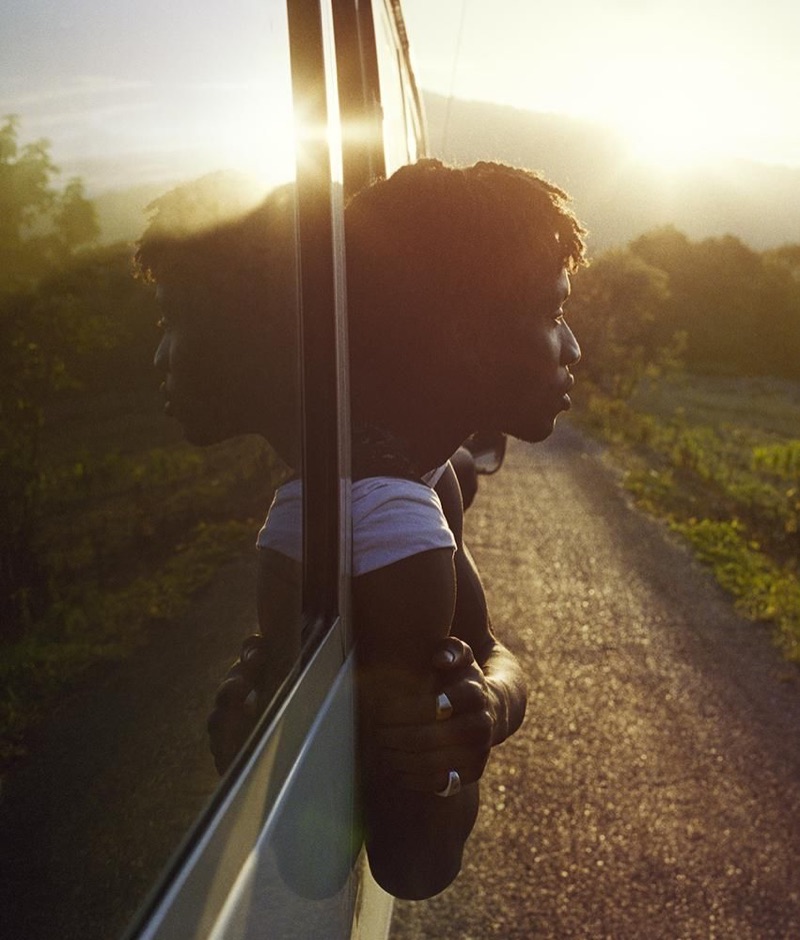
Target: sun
point(255, 138)
point(671, 141)
point(674, 113)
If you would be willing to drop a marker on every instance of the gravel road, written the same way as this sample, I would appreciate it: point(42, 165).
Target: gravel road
point(654, 789)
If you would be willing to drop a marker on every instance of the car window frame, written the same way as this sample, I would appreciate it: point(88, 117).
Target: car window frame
point(335, 80)
point(325, 433)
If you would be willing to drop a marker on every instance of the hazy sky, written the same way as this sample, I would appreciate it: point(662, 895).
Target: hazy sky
point(135, 90)
point(152, 90)
point(684, 79)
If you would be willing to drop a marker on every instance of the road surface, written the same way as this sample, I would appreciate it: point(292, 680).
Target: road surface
point(654, 789)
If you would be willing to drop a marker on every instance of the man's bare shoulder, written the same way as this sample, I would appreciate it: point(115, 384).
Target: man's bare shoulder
point(404, 608)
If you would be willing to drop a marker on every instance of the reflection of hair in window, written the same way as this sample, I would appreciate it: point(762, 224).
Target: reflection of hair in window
point(208, 242)
point(215, 229)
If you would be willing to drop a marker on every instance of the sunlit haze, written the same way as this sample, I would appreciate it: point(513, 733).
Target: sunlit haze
point(149, 93)
point(685, 81)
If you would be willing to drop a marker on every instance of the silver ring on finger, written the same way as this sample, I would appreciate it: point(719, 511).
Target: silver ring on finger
point(453, 784)
point(444, 707)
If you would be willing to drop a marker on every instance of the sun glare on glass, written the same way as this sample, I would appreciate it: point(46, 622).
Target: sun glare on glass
point(259, 140)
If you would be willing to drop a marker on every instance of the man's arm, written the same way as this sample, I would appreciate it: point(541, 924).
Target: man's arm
point(409, 747)
point(482, 679)
point(265, 659)
point(402, 612)
point(505, 684)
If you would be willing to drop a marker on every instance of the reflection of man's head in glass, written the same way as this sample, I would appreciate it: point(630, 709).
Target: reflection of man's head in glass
point(456, 281)
point(225, 274)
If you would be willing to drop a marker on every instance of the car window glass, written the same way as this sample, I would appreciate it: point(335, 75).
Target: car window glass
point(129, 564)
point(399, 141)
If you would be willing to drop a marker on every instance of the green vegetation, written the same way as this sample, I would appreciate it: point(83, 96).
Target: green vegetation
point(691, 373)
point(95, 624)
point(698, 453)
point(110, 521)
point(716, 306)
point(123, 538)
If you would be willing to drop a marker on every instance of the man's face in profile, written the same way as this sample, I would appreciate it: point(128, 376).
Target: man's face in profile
point(533, 377)
point(209, 366)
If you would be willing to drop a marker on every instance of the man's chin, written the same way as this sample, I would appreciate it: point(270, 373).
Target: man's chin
point(534, 433)
point(201, 437)
point(198, 425)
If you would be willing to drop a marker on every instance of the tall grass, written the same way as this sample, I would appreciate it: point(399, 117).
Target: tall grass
point(703, 456)
point(127, 535)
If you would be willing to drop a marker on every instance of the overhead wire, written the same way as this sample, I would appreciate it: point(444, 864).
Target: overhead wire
point(453, 73)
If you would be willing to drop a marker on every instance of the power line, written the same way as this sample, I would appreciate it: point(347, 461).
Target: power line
point(456, 56)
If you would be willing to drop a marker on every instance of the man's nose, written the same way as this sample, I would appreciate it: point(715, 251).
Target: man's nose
point(161, 358)
point(570, 350)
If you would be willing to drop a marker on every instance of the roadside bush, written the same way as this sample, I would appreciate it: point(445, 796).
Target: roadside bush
point(733, 495)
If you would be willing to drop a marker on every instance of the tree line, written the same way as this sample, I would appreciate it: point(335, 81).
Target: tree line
point(72, 322)
point(713, 306)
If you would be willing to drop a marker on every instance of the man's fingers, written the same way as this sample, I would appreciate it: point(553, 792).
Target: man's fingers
point(254, 658)
point(466, 695)
point(244, 675)
point(434, 779)
point(233, 691)
point(473, 730)
point(236, 702)
point(452, 655)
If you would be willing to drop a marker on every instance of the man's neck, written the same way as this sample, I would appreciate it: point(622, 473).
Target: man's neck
point(433, 437)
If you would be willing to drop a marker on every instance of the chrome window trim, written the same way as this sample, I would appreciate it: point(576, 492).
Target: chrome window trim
point(206, 890)
point(320, 245)
point(218, 849)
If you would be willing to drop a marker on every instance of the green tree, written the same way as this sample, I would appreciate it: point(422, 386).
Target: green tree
point(782, 266)
point(25, 181)
point(786, 257)
point(42, 325)
point(39, 225)
point(75, 218)
point(615, 310)
point(26, 199)
point(665, 248)
point(739, 309)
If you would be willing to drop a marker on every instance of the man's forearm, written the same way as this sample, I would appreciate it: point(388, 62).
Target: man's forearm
point(415, 841)
point(506, 682)
point(507, 690)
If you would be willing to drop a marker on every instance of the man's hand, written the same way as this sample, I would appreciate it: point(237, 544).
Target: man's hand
point(236, 703)
point(420, 739)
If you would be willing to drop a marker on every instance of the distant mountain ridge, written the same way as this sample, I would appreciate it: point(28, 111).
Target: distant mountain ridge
point(122, 213)
point(617, 198)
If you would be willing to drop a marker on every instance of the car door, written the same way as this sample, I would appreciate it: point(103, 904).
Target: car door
point(275, 852)
point(141, 541)
point(280, 853)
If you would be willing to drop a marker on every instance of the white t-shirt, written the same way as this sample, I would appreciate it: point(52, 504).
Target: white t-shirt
point(392, 519)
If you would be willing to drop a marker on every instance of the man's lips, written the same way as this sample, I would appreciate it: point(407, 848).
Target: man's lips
point(169, 404)
point(568, 386)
